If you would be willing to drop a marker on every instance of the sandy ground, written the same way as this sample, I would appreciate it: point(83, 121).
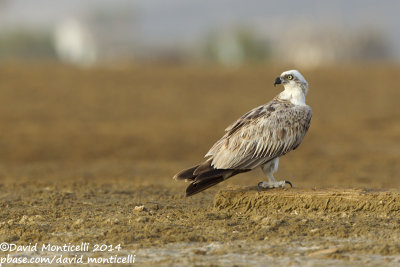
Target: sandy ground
point(88, 156)
point(233, 226)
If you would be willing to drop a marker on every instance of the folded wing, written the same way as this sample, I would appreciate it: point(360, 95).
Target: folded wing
point(264, 133)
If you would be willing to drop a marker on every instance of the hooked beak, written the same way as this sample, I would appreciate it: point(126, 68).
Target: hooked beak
point(277, 81)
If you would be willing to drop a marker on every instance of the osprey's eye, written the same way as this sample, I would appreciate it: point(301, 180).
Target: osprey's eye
point(290, 77)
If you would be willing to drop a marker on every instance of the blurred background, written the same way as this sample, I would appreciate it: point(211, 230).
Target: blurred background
point(144, 88)
point(226, 32)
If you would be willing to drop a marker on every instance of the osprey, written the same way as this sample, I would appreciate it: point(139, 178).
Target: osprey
point(257, 139)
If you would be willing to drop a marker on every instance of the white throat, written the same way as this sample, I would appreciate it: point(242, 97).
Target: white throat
point(294, 94)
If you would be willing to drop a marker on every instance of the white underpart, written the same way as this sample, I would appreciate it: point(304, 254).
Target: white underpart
point(293, 93)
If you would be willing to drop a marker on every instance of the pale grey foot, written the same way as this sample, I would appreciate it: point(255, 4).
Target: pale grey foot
point(275, 184)
point(269, 169)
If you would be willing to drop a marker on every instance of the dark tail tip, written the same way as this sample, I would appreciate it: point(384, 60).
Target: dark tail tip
point(197, 187)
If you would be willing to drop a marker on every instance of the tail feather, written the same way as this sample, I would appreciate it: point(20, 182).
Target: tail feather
point(213, 173)
point(203, 176)
point(203, 167)
point(187, 174)
point(197, 187)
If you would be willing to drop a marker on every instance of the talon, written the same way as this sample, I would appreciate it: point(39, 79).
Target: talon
point(289, 183)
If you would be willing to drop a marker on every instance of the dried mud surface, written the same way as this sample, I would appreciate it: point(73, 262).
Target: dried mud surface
point(235, 226)
point(88, 156)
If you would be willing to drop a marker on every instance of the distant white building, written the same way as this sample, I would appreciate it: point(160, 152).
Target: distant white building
point(87, 41)
point(74, 43)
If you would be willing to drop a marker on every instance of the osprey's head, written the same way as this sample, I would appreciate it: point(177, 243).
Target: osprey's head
point(291, 79)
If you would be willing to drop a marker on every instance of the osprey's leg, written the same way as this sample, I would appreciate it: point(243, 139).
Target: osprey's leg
point(269, 169)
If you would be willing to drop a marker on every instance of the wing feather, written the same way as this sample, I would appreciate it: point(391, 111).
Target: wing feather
point(262, 134)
